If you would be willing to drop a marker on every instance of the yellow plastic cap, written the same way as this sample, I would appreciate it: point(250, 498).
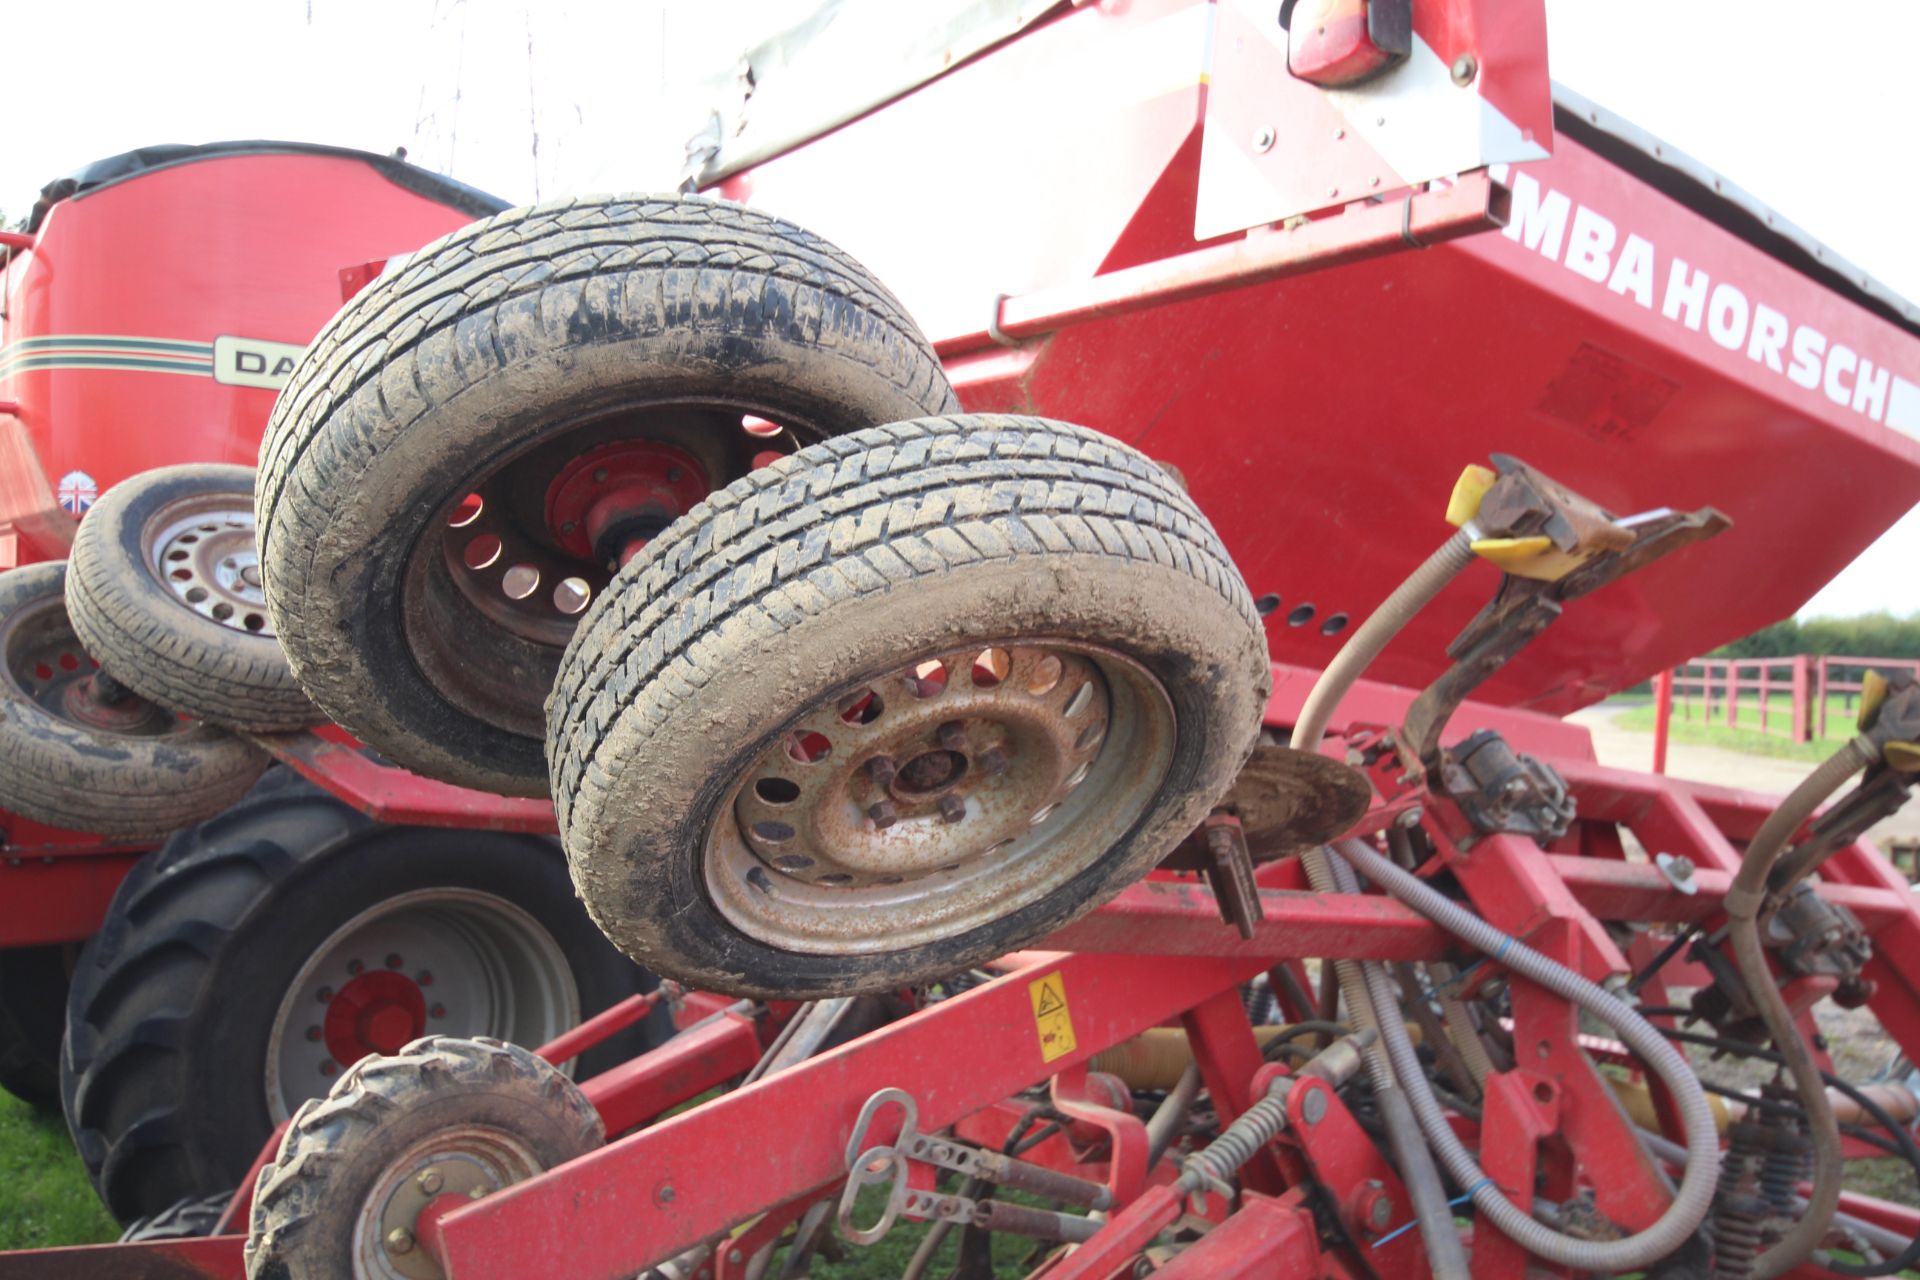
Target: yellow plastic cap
point(1464, 503)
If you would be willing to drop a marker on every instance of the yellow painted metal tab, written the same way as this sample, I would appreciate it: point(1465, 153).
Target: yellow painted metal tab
point(1051, 1018)
point(1903, 757)
point(1464, 503)
point(1873, 692)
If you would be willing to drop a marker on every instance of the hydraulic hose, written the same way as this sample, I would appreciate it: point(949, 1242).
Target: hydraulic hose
point(1702, 1172)
point(1745, 897)
point(1167, 1117)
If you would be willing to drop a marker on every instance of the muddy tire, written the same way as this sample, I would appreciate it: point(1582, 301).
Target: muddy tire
point(183, 1221)
point(33, 1013)
point(822, 601)
point(163, 588)
point(122, 767)
point(477, 1115)
point(408, 478)
point(190, 1027)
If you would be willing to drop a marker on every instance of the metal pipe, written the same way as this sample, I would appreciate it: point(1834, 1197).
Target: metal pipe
point(1164, 1124)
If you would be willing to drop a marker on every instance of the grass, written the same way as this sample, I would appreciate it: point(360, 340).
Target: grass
point(45, 1199)
point(1744, 734)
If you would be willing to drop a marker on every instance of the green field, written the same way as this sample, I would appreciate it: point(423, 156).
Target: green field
point(1744, 734)
point(44, 1196)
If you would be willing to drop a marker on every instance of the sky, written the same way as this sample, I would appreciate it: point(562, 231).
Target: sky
point(1811, 107)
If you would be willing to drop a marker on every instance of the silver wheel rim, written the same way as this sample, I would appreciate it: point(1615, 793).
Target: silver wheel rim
point(202, 550)
point(476, 964)
point(468, 1160)
point(939, 798)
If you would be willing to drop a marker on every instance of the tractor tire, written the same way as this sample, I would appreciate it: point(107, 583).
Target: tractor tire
point(490, 366)
point(33, 1013)
point(163, 588)
point(241, 962)
point(119, 765)
point(779, 633)
point(182, 1221)
point(343, 1194)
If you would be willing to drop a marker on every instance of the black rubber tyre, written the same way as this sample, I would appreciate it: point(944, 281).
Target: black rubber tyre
point(156, 592)
point(33, 1013)
point(171, 1080)
point(505, 348)
point(353, 1154)
point(185, 1220)
point(835, 568)
point(136, 772)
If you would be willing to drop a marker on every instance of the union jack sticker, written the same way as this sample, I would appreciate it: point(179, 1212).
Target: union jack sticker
point(77, 492)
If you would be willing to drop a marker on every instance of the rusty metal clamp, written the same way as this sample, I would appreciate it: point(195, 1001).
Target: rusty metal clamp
point(888, 1164)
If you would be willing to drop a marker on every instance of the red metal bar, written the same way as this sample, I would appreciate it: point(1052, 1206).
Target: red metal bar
point(1181, 918)
point(215, 1257)
point(1662, 717)
point(57, 898)
point(1802, 670)
point(1473, 202)
point(700, 1058)
point(391, 794)
point(1265, 1238)
point(571, 1044)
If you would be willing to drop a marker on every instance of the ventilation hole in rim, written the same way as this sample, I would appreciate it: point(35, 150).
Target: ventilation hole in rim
point(773, 832)
point(1081, 697)
point(520, 582)
point(760, 427)
point(68, 662)
point(196, 595)
point(1077, 777)
point(209, 528)
point(94, 663)
point(766, 458)
point(991, 667)
point(809, 748)
point(254, 622)
point(41, 671)
point(181, 575)
point(176, 555)
point(223, 610)
point(1302, 614)
point(1045, 675)
point(571, 595)
point(776, 790)
point(1334, 625)
point(891, 880)
point(467, 512)
point(1044, 812)
point(838, 877)
point(793, 862)
point(188, 538)
point(863, 708)
point(928, 679)
point(757, 877)
point(951, 866)
point(482, 553)
point(1267, 604)
point(1090, 735)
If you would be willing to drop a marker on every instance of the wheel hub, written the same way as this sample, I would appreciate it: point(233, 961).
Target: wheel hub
point(377, 1012)
point(937, 798)
point(455, 1167)
point(203, 549)
point(44, 660)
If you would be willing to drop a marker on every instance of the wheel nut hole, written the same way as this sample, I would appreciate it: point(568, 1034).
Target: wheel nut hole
point(481, 553)
point(809, 748)
point(467, 512)
point(929, 679)
point(777, 790)
point(991, 667)
point(863, 708)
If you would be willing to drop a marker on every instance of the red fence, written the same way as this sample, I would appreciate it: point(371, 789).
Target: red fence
point(1801, 698)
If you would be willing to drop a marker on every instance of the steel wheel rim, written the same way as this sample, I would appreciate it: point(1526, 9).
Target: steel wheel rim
point(470, 1160)
point(202, 550)
point(42, 659)
point(478, 964)
point(798, 857)
point(502, 556)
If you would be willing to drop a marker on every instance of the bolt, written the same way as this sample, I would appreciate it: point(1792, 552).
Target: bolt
point(394, 961)
point(399, 1240)
point(673, 475)
point(1382, 1212)
point(1682, 869)
point(1338, 134)
point(735, 1257)
point(313, 1033)
point(1373, 182)
point(1465, 68)
point(1314, 1109)
point(881, 770)
point(476, 1193)
point(568, 526)
point(429, 1182)
point(599, 475)
point(1409, 818)
point(438, 1011)
point(1332, 192)
point(665, 1194)
point(952, 808)
point(953, 736)
point(328, 1066)
point(1263, 138)
point(324, 994)
point(354, 967)
point(993, 762)
point(425, 978)
point(883, 814)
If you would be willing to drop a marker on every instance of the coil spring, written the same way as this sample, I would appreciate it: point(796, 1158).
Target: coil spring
point(1258, 1125)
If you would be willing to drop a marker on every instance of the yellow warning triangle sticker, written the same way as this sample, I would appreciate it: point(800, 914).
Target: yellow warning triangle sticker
point(1050, 1001)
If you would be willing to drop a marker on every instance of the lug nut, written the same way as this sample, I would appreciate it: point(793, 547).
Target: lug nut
point(426, 978)
point(881, 770)
point(438, 1011)
point(323, 995)
point(328, 1067)
point(952, 808)
point(313, 1033)
point(883, 814)
point(394, 961)
point(355, 968)
point(993, 762)
point(399, 1240)
point(953, 736)
point(430, 1182)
